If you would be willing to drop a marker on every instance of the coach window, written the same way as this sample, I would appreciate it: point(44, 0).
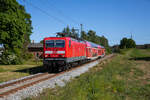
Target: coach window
point(90, 50)
point(69, 43)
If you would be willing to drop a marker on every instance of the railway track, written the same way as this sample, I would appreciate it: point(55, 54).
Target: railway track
point(13, 87)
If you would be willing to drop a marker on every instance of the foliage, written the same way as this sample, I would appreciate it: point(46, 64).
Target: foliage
point(10, 59)
point(127, 43)
point(15, 29)
point(41, 41)
point(69, 33)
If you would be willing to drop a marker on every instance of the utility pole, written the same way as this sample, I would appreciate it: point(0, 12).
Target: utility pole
point(81, 27)
point(131, 36)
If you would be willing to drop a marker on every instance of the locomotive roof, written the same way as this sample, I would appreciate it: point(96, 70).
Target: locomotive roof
point(73, 39)
point(54, 37)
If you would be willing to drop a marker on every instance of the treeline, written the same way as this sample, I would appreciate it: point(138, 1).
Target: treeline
point(89, 36)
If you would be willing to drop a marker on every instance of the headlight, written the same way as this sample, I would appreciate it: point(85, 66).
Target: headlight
point(48, 52)
point(61, 52)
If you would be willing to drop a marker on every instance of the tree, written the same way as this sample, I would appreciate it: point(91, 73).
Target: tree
point(74, 34)
point(123, 43)
point(131, 43)
point(67, 30)
point(41, 41)
point(15, 29)
point(92, 36)
point(84, 35)
point(69, 33)
point(127, 43)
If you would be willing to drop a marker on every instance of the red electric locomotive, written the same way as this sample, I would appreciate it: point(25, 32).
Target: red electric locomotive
point(59, 52)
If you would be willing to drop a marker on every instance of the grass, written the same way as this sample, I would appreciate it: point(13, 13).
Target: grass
point(33, 62)
point(120, 78)
point(9, 72)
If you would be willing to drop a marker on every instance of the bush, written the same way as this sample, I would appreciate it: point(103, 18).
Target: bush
point(27, 56)
point(11, 58)
point(108, 50)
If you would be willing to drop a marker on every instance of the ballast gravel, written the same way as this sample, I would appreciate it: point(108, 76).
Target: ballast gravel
point(59, 80)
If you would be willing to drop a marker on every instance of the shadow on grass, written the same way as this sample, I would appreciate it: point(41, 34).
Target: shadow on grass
point(140, 58)
point(34, 70)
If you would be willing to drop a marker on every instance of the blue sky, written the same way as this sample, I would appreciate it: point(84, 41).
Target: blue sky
point(114, 19)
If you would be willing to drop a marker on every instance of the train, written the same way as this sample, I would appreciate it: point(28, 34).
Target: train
point(60, 53)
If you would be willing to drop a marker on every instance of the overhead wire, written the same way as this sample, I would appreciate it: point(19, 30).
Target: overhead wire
point(46, 13)
point(61, 12)
point(52, 6)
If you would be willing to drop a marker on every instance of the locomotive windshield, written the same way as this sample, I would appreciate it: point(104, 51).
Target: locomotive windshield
point(60, 43)
point(54, 43)
point(49, 43)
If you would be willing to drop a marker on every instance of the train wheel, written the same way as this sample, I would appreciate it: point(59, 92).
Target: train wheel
point(66, 67)
point(50, 69)
point(45, 67)
point(60, 68)
point(69, 66)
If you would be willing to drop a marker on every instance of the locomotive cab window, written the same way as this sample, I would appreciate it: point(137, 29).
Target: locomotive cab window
point(54, 43)
point(60, 43)
point(49, 43)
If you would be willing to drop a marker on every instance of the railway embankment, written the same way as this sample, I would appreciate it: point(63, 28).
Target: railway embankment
point(125, 77)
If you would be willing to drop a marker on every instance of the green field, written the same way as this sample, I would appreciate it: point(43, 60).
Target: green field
point(9, 72)
point(124, 77)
